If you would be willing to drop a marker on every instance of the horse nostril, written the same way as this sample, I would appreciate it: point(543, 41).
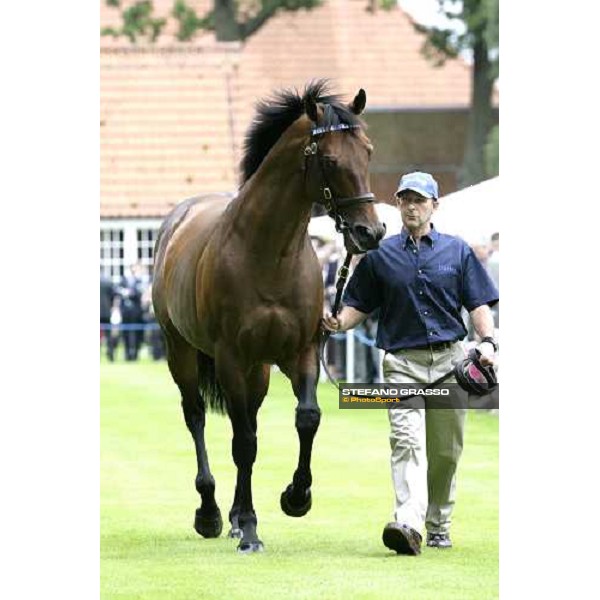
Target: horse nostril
point(363, 232)
point(369, 236)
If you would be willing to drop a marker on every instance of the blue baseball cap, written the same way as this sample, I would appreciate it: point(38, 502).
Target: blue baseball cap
point(422, 183)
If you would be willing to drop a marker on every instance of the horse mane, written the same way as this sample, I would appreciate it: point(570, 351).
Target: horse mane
point(275, 114)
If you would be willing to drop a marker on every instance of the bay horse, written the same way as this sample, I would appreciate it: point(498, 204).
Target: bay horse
point(238, 288)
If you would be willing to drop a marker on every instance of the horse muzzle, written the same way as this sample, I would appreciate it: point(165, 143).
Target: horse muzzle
point(360, 238)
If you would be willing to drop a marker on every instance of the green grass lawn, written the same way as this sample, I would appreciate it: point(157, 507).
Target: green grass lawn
point(150, 550)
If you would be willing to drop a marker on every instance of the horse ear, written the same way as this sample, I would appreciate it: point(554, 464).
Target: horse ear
point(359, 102)
point(310, 106)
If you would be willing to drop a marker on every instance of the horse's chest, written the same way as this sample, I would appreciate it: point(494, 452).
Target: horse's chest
point(272, 331)
point(268, 311)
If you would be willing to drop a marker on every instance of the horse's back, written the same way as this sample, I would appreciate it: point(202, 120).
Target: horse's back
point(208, 207)
point(182, 238)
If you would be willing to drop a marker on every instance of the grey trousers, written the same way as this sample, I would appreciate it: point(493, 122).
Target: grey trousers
point(426, 443)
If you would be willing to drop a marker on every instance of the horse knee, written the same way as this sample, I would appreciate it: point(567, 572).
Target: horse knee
point(308, 419)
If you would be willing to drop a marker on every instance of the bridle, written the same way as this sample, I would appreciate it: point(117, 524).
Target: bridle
point(332, 205)
point(327, 198)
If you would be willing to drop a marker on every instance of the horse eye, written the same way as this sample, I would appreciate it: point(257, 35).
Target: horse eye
point(329, 161)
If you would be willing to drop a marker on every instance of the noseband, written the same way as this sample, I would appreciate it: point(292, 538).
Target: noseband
point(331, 203)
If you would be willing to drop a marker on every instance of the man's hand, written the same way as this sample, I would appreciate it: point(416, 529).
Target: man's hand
point(488, 354)
point(331, 323)
point(346, 319)
point(483, 322)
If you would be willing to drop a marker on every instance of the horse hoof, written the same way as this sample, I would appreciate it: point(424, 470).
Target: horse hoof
point(250, 547)
point(235, 533)
point(293, 510)
point(208, 527)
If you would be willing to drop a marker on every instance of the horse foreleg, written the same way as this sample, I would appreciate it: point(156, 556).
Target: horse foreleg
point(296, 500)
point(244, 396)
point(259, 381)
point(244, 449)
point(234, 516)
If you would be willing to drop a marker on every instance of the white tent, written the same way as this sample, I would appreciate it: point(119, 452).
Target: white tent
point(324, 227)
point(472, 213)
point(389, 215)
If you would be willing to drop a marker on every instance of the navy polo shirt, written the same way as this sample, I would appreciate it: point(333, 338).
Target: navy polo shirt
point(419, 290)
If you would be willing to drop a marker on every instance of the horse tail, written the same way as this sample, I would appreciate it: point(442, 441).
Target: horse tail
point(210, 389)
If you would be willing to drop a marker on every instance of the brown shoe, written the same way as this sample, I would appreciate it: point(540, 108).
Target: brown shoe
point(402, 538)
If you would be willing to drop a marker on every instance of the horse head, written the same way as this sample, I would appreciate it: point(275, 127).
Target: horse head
point(337, 157)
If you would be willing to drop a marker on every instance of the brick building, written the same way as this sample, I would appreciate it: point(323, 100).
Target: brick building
point(173, 115)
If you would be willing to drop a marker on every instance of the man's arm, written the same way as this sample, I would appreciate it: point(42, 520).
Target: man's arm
point(346, 319)
point(483, 323)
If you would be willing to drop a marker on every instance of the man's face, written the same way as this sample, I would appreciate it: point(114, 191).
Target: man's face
point(416, 210)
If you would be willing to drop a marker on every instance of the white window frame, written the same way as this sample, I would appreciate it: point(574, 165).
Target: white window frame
point(130, 228)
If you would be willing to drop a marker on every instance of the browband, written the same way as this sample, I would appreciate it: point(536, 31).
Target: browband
point(327, 129)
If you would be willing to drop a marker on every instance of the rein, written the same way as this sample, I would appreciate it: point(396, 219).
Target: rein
point(333, 205)
point(341, 282)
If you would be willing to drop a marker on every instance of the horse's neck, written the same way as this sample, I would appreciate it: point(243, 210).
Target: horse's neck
point(272, 214)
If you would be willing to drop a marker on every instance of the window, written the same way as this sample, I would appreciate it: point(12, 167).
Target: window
point(124, 242)
point(146, 238)
point(112, 263)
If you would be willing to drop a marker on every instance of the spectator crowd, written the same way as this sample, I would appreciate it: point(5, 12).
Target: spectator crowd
point(127, 322)
point(127, 317)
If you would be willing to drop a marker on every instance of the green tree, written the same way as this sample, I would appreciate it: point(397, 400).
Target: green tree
point(478, 20)
point(230, 19)
point(137, 21)
point(492, 154)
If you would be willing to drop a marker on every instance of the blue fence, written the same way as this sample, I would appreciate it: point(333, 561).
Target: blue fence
point(129, 327)
point(359, 335)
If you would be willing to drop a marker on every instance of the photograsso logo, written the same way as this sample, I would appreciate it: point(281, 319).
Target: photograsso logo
point(392, 392)
point(446, 395)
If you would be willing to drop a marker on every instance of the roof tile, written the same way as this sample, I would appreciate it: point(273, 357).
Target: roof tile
point(174, 115)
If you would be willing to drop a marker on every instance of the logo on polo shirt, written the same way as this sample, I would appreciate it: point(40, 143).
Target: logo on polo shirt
point(449, 269)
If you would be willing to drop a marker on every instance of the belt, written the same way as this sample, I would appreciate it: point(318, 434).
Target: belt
point(434, 346)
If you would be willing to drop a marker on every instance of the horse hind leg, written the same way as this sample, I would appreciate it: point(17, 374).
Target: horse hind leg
point(182, 361)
